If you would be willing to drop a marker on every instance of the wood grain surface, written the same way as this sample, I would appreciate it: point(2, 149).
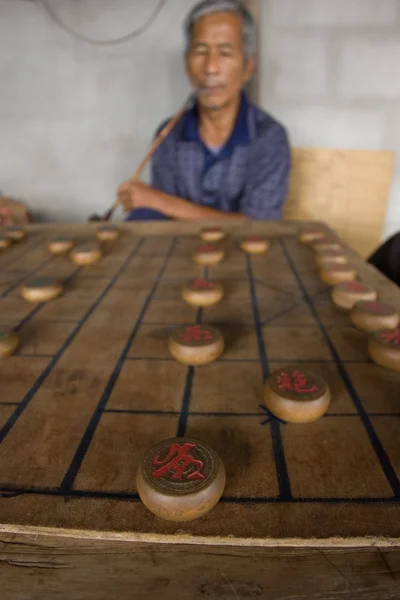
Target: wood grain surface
point(348, 189)
point(54, 568)
point(93, 386)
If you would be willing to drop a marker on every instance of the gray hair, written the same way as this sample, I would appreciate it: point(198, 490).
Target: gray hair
point(208, 7)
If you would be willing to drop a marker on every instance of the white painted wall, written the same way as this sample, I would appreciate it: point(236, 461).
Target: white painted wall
point(330, 71)
point(76, 120)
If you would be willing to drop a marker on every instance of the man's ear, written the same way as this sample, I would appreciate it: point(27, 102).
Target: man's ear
point(186, 60)
point(250, 68)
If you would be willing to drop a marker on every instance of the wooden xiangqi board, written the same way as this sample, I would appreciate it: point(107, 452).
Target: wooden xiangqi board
point(93, 386)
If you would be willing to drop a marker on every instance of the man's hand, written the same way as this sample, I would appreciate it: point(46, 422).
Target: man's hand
point(135, 194)
point(124, 195)
point(5, 216)
point(142, 195)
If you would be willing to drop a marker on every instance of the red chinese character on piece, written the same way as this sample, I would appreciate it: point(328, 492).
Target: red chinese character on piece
point(207, 248)
point(376, 307)
point(177, 462)
point(202, 284)
point(354, 286)
point(195, 333)
point(254, 238)
point(295, 382)
point(284, 382)
point(391, 337)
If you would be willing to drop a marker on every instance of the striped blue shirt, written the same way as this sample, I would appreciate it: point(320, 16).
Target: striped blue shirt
point(249, 174)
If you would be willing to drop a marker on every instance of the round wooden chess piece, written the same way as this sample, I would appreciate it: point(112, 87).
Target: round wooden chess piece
point(384, 348)
point(346, 294)
point(374, 316)
point(15, 234)
point(334, 274)
point(296, 396)
point(41, 289)
point(5, 242)
point(87, 254)
point(60, 245)
point(196, 345)
point(180, 479)
point(208, 254)
point(308, 235)
point(202, 293)
point(212, 234)
point(9, 342)
point(107, 233)
point(255, 244)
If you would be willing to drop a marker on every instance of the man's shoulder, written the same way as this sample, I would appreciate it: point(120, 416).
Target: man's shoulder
point(263, 129)
point(264, 125)
point(161, 126)
point(176, 132)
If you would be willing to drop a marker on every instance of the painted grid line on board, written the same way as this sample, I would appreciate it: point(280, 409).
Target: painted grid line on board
point(184, 413)
point(376, 443)
point(73, 469)
point(39, 306)
point(235, 414)
point(187, 392)
point(25, 250)
point(133, 497)
point(14, 286)
point(282, 474)
point(53, 362)
point(163, 359)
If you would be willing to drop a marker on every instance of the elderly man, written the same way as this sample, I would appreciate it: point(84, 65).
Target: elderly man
point(225, 158)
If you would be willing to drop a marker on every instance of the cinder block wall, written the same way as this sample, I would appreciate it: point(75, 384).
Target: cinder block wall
point(330, 71)
point(75, 120)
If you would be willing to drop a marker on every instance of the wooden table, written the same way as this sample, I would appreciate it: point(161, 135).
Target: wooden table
point(309, 511)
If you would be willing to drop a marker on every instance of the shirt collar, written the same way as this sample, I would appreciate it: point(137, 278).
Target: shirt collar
point(240, 133)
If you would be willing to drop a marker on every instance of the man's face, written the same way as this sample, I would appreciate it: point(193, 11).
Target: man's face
point(216, 60)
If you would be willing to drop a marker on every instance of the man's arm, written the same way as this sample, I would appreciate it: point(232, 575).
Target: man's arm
point(143, 196)
point(164, 198)
point(265, 193)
